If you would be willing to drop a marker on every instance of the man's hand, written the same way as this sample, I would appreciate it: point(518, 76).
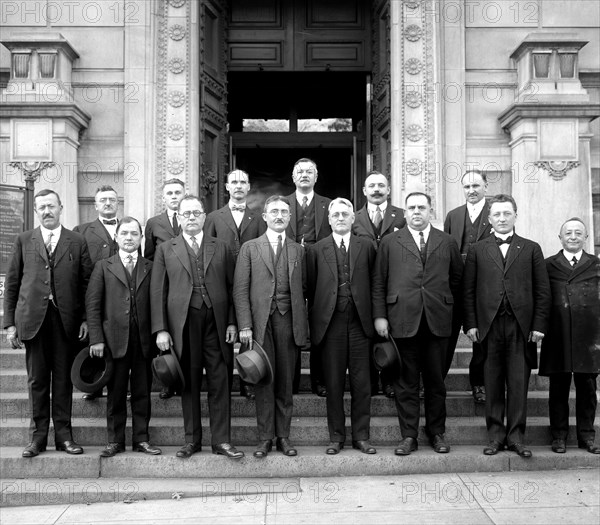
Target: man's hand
point(164, 341)
point(83, 331)
point(246, 337)
point(473, 334)
point(382, 327)
point(231, 334)
point(97, 350)
point(13, 337)
point(535, 337)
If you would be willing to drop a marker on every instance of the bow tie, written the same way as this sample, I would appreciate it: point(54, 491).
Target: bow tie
point(110, 222)
point(500, 241)
point(241, 207)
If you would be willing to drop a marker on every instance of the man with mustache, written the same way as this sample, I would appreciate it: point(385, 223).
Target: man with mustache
point(100, 236)
point(48, 318)
point(236, 223)
point(375, 220)
point(308, 224)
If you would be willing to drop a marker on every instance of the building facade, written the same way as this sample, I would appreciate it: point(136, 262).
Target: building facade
point(133, 92)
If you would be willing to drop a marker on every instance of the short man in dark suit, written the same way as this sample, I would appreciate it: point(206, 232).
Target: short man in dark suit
point(416, 282)
point(308, 223)
point(100, 237)
point(572, 345)
point(192, 315)
point(164, 227)
point(375, 220)
point(118, 309)
point(339, 308)
point(468, 224)
point(44, 306)
point(269, 300)
point(506, 308)
point(236, 223)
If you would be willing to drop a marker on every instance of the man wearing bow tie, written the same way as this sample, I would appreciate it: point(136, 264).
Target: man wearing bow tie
point(572, 347)
point(44, 307)
point(236, 223)
point(506, 308)
point(100, 236)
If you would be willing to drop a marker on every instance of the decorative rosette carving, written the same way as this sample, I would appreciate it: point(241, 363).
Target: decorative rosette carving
point(412, 4)
point(413, 66)
point(176, 99)
point(175, 131)
point(176, 65)
point(412, 99)
point(412, 33)
point(175, 166)
point(177, 32)
point(414, 167)
point(177, 3)
point(414, 132)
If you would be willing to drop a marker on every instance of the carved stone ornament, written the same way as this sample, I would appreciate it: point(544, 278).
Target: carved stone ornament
point(176, 65)
point(412, 4)
point(414, 167)
point(209, 179)
point(175, 166)
point(414, 132)
point(177, 32)
point(175, 131)
point(177, 3)
point(176, 98)
point(32, 169)
point(413, 33)
point(557, 169)
point(412, 99)
point(413, 66)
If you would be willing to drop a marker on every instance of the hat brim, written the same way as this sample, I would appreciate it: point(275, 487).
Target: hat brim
point(172, 364)
point(100, 368)
point(269, 376)
point(390, 342)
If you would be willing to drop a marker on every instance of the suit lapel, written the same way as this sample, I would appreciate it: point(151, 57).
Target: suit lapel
point(330, 258)
point(209, 250)
point(292, 256)
point(362, 217)
point(62, 246)
point(100, 231)
point(228, 219)
point(514, 250)
point(484, 224)
point(354, 248)
point(142, 271)
point(37, 240)
point(388, 218)
point(433, 242)
point(115, 266)
point(406, 239)
point(493, 250)
point(180, 248)
point(320, 212)
point(265, 252)
point(584, 263)
point(246, 220)
point(166, 224)
point(292, 223)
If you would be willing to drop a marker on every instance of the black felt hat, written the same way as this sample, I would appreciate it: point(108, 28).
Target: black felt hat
point(90, 374)
point(386, 354)
point(254, 366)
point(168, 371)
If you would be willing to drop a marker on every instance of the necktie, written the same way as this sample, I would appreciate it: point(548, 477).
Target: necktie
point(500, 241)
point(279, 247)
point(378, 217)
point(343, 249)
point(238, 207)
point(195, 246)
point(422, 247)
point(110, 222)
point(574, 261)
point(49, 243)
point(304, 203)
point(175, 224)
point(129, 265)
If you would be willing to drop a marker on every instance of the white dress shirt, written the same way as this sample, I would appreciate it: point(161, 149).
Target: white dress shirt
point(417, 237)
point(55, 236)
point(372, 209)
point(237, 215)
point(338, 240)
point(125, 257)
point(198, 236)
point(475, 209)
point(504, 247)
point(300, 196)
point(569, 256)
point(272, 236)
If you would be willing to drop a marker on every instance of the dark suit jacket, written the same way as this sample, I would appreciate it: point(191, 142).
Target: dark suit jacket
point(254, 286)
point(108, 305)
point(572, 343)
point(524, 279)
point(455, 223)
point(220, 224)
point(171, 288)
point(393, 220)
point(403, 288)
point(28, 277)
point(322, 279)
point(322, 227)
point(100, 244)
point(158, 229)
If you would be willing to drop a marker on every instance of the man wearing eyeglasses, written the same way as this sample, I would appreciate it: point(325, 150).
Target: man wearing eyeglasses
point(192, 315)
point(100, 236)
point(308, 224)
point(268, 294)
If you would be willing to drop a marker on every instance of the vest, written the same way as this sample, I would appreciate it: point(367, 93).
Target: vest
point(131, 280)
point(199, 291)
point(306, 232)
point(344, 295)
point(282, 300)
point(469, 233)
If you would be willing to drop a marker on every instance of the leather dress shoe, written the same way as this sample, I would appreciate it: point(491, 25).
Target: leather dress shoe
point(227, 449)
point(559, 446)
point(520, 449)
point(321, 391)
point(248, 392)
point(93, 395)
point(188, 450)
point(479, 395)
point(439, 445)
point(364, 446)
point(70, 447)
point(284, 445)
point(112, 449)
point(406, 446)
point(334, 448)
point(589, 445)
point(165, 393)
point(33, 449)
point(389, 392)
point(263, 448)
point(146, 448)
point(492, 448)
